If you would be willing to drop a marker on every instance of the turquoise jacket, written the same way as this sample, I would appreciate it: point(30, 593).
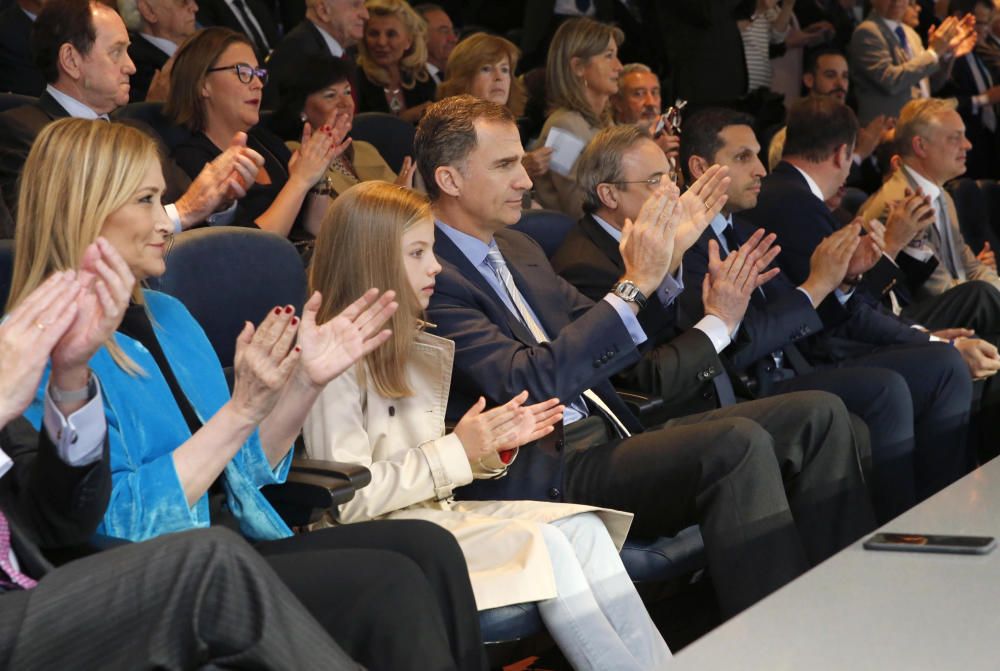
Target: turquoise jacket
point(145, 426)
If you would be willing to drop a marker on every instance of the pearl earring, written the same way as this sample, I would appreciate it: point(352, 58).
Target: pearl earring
point(303, 118)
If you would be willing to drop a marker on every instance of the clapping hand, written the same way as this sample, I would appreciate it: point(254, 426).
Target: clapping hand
point(647, 245)
point(510, 425)
point(699, 205)
point(336, 345)
point(27, 337)
point(728, 284)
point(829, 262)
point(223, 179)
point(108, 283)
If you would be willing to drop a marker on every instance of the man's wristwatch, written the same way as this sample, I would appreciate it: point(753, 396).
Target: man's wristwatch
point(85, 394)
point(628, 292)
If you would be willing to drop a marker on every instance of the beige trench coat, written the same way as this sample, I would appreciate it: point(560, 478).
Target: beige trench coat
point(415, 467)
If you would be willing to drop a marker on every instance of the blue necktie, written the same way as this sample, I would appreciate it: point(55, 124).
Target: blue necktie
point(902, 39)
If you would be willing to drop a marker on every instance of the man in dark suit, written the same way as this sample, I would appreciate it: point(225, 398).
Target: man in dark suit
point(332, 27)
point(156, 29)
point(706, 50)
point(977, 94)
point(250, 17)
point(91, 85)
point(785, 324)
point(199, 598)
point(516, 325)
point(18, 73)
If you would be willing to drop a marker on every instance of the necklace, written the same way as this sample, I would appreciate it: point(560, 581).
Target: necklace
point(395, 98)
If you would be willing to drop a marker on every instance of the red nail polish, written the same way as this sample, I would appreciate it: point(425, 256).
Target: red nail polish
point(298, 349)
point(295, 320)
point(289, 309)
point(277, 311)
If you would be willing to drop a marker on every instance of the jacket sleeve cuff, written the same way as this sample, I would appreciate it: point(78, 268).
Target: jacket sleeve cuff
point(448, 464)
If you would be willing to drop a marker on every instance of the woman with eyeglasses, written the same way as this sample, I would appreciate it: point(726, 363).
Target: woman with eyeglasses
point(215, 92)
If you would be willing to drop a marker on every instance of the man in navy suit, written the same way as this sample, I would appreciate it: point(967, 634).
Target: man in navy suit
point(517, 325)
point(821, 133)
point(786, 331)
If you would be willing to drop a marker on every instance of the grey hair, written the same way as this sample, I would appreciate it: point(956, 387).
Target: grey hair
point(601, 161)
point(129, 10)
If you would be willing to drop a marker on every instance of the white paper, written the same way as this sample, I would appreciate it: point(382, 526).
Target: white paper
point(566, 147)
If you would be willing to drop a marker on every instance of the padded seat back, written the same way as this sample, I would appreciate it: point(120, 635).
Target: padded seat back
point(9, 101)
point(152, 115)
point(392, 136)
point(228, 275)
point(547, 227)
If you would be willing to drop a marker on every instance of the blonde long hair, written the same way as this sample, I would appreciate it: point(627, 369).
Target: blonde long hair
point(473, 53)
point(77, 174)
point(360, 246)
point(577, 38)
point(413, 66)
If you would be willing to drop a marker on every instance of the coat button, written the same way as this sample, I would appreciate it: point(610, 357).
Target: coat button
point(707, 394)
point(554, 493)
point(392, 411)
point(711, 370)
point(559, 444)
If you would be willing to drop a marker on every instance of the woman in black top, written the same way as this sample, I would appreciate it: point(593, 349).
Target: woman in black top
point(215, 93)
point(392, 57)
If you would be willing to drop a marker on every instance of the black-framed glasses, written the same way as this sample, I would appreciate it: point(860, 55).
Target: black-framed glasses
point(245, 72)
point(651, 181)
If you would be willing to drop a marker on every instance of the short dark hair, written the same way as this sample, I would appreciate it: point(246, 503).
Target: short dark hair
point(817, 125)
point(813, 56)
point(323, 71)
point(701, 133)
point(424, 8)
point(963, 7)
point(59, 22)
point(447, 134)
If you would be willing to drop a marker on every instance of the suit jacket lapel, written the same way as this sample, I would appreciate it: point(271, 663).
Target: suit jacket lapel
point(602, 241)
point(447, 250)
point(51, 107)
point(531, 287)
point(896, 50)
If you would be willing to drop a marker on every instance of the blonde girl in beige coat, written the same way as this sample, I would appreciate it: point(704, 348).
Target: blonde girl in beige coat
point(389, 416)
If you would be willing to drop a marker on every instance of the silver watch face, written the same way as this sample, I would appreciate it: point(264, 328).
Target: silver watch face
point(626, 290)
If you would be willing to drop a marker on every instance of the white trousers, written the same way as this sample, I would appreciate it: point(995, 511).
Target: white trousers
point(597, 618)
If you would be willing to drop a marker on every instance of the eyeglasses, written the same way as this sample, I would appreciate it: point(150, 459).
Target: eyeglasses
point(652, 181)
point(245, 72)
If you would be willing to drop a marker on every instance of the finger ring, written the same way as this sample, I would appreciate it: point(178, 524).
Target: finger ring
point(40, 326)
point(708, 208)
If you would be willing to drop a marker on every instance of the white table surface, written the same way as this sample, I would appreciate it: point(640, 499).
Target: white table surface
point(880, 610)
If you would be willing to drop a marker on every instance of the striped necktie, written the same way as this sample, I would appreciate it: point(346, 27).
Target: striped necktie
point(499, 266)
point(15, 579)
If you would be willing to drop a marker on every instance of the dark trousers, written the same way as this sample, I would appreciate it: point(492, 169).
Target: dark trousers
point(974, 305)
point(941, 392)
point(395, 594)
point(774, 484)
point(199, 599)
point(881, 398)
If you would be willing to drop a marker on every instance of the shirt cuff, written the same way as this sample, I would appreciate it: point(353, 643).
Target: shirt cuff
point(671, 287)
point(174, 216)
point(843, 296)
point(79, 438)
point(937, 58)
point(922, 253)
point(716, 331)
point(224, 217)
point(630, 321)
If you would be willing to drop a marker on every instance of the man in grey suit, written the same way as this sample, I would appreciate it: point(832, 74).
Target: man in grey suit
point(192, 600)
point(949, 283)
point(889, 64)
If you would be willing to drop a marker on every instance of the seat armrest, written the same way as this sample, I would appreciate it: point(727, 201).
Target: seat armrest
point(641, 404)
point(357, 475)
point(314, 487)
